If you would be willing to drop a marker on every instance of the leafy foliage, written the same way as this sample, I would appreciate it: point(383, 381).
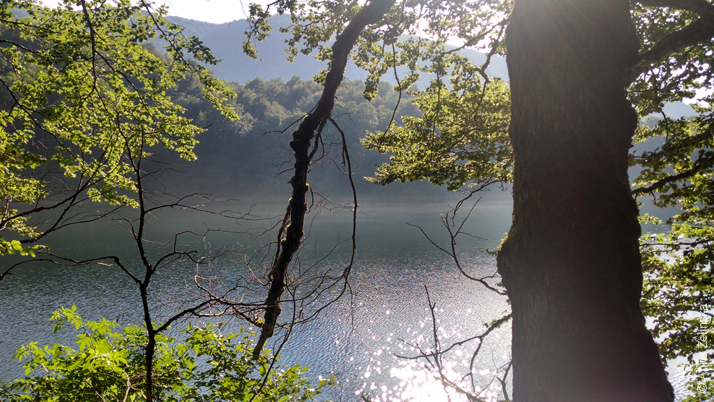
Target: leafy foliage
point(398, 40)
point(460, 139)
point(679, 288)
point(83, 94)
point(676, 171)
point(109, 365)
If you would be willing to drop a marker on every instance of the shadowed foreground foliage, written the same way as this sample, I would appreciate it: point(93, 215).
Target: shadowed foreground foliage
point(108, 364)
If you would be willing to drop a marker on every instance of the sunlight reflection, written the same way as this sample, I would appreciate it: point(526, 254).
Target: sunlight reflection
point(418, 384)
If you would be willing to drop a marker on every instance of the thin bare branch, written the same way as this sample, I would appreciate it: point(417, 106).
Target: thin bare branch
point(302, 137)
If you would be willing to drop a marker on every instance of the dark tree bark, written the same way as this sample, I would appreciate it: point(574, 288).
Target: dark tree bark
point(571, 261)
point(312, 123)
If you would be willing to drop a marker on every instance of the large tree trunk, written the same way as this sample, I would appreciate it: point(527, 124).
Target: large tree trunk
point(571, 261)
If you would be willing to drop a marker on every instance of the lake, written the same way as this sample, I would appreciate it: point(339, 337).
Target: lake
point(356, 339)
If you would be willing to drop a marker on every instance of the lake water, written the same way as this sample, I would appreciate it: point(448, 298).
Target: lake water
point(356, 339)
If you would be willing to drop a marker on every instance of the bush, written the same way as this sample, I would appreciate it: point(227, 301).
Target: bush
point(110, 366)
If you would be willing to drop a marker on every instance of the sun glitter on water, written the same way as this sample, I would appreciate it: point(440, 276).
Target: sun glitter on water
point(416, 383)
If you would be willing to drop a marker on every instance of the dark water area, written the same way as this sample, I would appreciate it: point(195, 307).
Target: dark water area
point(355, 339)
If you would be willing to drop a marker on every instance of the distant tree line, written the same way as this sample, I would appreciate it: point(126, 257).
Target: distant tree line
point(239, 158)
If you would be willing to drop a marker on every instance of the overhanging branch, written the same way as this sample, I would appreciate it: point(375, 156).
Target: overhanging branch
point(697, 32)
point(701, 7)
point(693, 34)
point(698, 166)
point(302, 137)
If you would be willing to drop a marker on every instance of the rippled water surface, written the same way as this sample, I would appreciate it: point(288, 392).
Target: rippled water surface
point(356, 339)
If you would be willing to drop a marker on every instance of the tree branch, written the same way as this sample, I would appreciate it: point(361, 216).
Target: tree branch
point(302, 137)
point(697, 32)
point(698, 166)
point(701, 7)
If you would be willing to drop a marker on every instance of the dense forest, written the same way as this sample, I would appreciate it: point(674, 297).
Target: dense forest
point(243, 158)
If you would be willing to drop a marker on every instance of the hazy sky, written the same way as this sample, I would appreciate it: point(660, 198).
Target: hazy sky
point(216, 11)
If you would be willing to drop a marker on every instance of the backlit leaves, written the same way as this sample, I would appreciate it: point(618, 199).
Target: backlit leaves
point(461, 138)
point(108, 364)
point(85, 97)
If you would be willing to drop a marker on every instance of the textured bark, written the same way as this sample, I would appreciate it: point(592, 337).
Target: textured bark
point(571, 261)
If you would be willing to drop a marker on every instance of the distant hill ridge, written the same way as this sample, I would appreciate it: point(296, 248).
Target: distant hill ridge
point(225, 41)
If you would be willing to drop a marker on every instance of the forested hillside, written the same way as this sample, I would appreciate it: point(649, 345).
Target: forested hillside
point(244, 158)
point(241, 159)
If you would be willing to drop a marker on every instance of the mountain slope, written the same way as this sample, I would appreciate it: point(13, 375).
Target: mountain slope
point(225, 41)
